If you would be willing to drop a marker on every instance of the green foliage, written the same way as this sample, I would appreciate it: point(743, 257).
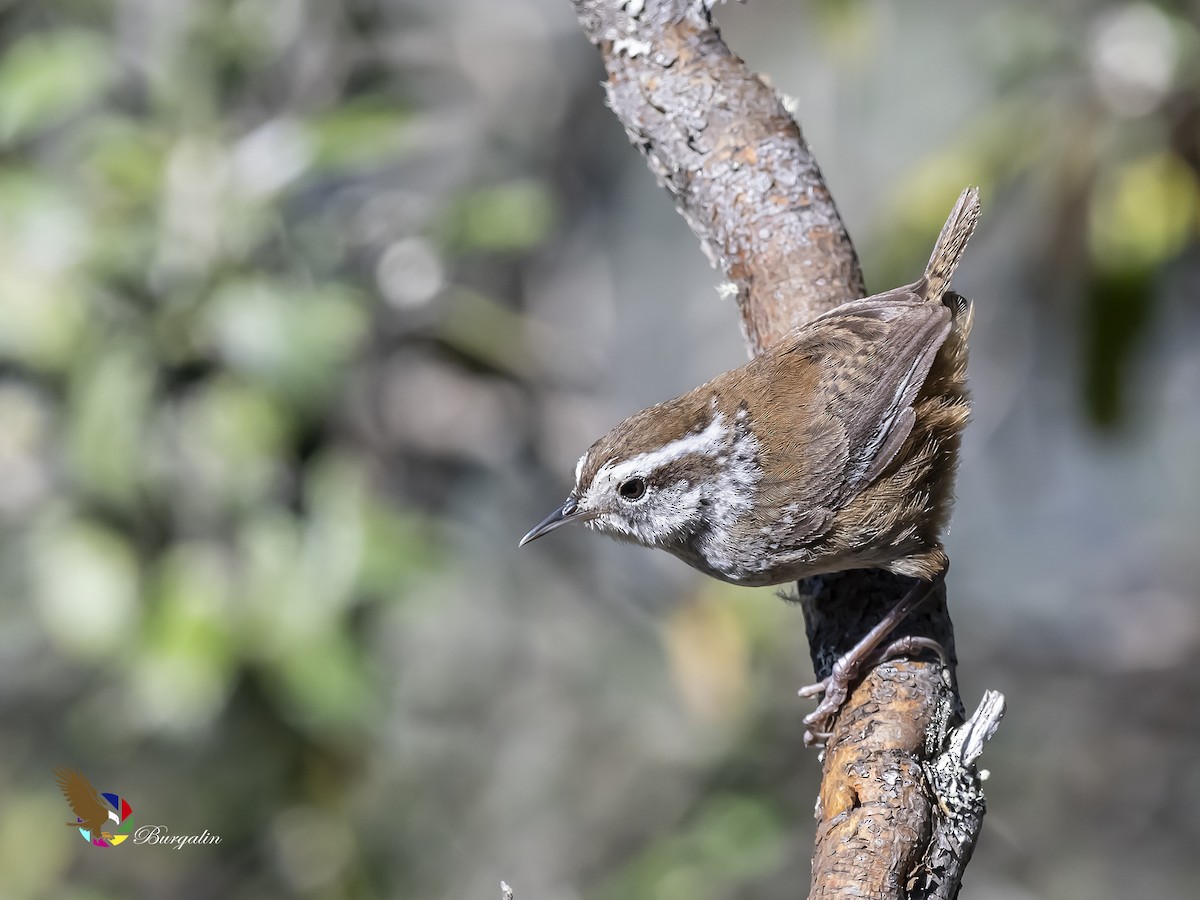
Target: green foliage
point(357, 135)
point(47, 77)
point(181, 321)
point(731, 839)
point(512, 216)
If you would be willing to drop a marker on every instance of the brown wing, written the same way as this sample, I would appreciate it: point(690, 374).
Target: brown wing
point(877, 353)
point(839, 407)
point(82, 798)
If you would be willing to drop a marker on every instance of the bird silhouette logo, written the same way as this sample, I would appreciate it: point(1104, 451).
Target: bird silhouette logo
point(103, 819)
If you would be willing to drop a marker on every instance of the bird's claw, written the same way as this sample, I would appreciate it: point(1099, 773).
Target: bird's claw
point(836, 688)
point(813, 690)
point(827, 709)
point(817, 738)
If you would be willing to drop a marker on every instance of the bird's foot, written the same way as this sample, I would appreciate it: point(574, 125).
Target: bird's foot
point(867, 654)
point(835, 688)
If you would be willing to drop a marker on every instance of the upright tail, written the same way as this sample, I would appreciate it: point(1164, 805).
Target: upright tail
point(951, 242)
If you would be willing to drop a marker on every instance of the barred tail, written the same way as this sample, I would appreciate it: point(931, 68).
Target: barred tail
point(951, 242)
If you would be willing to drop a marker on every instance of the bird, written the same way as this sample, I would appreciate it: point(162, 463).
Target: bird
point(84, 801)
point(835, 448)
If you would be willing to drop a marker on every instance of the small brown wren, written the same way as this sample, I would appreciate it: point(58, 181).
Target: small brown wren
point(833, 449)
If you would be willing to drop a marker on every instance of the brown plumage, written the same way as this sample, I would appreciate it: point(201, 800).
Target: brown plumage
point(84, 801)
point(833, 449)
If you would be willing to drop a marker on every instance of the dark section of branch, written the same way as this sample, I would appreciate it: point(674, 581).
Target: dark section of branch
point(720, 141)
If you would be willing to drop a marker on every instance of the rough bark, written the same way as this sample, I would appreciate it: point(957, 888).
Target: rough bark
point(900, 805)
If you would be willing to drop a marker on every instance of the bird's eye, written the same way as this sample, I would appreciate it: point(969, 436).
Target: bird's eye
point(632, 489)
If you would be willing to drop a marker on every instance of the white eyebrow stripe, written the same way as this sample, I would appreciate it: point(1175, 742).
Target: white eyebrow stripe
point(712, 441)
point(579, 467)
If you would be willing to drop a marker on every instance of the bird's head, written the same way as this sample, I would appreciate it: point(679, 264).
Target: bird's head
point(661, 476)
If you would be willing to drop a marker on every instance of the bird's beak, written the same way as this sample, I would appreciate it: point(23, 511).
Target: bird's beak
point(564, 515)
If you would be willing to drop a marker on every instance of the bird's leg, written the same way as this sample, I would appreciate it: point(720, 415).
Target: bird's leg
point(847, 668)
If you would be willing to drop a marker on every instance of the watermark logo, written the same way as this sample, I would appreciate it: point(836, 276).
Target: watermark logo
point(106, 820)
point(158, 834)
point(103, 819)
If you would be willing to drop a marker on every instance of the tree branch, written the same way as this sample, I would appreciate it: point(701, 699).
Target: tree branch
point(722, 144)
point(900, 805)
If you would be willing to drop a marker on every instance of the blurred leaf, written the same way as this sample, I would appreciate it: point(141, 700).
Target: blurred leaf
point(1022, 42)
point(334, 493)
point(227, 440)
point(122, 165)
point(293, 622)
point(111, 398)
point(42, 237)
point(398, 546)
point(354, 541)
point(181, 675)
point(849, 28)
point(125, 162)
point(731, 839)
point(1143, 213)
point(358, 134)
point(739, 836)
point(482, 329)
point(282, 604)
point(506, 217)
point(26, 456)
point(272, 599)
point(294, 338)
point(47, 76)
point(86, 587)
point(322, 685)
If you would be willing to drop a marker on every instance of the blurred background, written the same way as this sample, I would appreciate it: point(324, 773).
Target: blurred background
point(307, 310)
